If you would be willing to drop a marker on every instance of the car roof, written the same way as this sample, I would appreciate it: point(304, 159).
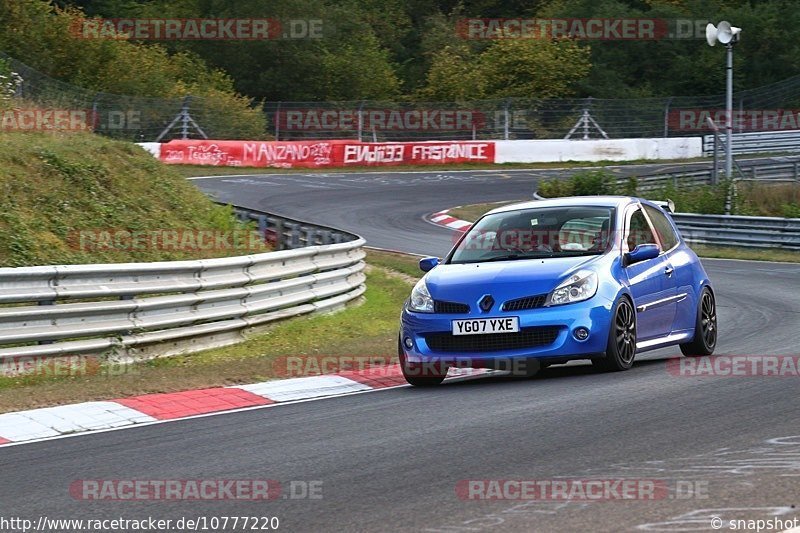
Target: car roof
point(572, 201)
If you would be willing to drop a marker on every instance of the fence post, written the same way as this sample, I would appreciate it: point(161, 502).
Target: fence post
point(666, 117)
point(185, 117)
point(586, 114)
point(95, 119)
point(506, 124)
point(741, 114)
point(360, 119)
point(278, 122)
point(715, 168)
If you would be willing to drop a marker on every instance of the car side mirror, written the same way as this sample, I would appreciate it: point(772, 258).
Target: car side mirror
point(426, 264)
point(642, 252)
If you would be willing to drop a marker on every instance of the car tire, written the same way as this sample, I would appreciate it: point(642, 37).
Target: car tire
point(621, 347)
point(705, 328)
point(412, 371)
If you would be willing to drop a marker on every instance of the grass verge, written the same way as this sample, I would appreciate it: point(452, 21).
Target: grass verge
point(472, 212)
point(369, 329)
point(80, 198)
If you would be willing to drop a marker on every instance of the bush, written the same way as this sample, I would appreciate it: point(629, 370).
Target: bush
point(586, 183)
point(705, 199)
point(769, 199)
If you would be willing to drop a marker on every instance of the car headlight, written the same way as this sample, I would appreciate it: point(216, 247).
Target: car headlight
point(420, 301)
point(580, 286)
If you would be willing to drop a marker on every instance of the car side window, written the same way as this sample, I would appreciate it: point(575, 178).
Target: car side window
point(639, 231)
point(666, 233)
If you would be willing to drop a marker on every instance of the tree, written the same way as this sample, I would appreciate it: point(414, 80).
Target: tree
point(525, 68)
point(533, 68)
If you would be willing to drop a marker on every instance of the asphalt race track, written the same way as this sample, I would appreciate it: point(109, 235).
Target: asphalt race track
point(391, 460)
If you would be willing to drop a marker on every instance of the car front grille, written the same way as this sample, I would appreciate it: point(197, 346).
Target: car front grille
point(492, 342)
point(449, 308)
point(529, 302)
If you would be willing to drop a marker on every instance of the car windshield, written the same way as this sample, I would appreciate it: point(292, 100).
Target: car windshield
point(539, 232)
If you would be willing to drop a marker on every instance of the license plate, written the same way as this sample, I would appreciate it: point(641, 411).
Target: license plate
point(479, 326)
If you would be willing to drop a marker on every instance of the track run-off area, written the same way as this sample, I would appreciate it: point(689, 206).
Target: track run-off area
point(398, 459)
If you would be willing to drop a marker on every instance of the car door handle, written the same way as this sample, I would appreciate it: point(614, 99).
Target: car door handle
point(668, 271)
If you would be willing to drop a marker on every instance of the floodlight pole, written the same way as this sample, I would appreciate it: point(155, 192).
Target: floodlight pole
point(729, 112)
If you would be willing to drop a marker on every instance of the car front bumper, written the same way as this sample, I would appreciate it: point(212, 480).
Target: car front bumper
point(594, 315)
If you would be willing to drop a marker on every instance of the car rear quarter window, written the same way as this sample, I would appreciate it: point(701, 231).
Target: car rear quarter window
point(639, 231)
point(666, 233)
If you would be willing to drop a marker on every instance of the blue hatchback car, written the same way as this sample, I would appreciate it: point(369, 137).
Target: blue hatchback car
point(546, 282)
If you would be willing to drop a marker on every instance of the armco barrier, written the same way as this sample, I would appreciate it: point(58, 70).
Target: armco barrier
point(286, 233)
point(735, 230)
point(739, 231)
point(758, 142)
point(140, 310)
point(785, 171)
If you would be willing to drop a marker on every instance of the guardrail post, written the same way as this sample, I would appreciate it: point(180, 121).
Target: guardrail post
point(796, 174)
point(262, 226)
point(294, 236)
point(280, 240)
point(310, 236)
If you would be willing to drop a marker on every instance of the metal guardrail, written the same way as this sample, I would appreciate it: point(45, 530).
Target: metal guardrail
point(787, 171)
point(139, 310)
point(735, 230)
point(739, 231)
point(286, 233)
point(758, 142)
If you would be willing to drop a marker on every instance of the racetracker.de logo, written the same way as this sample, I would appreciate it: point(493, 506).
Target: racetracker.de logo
point(600, 29)
point(380, 119)
point(562, 489)
point(194, 489)
point(37, 119)
point(316, 365)
point(197, 29)
point(735, 366)
point(741, 119)
point(174, 240)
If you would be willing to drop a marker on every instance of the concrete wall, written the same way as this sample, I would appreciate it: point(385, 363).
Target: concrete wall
point(153, 148)
point(555, 150)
